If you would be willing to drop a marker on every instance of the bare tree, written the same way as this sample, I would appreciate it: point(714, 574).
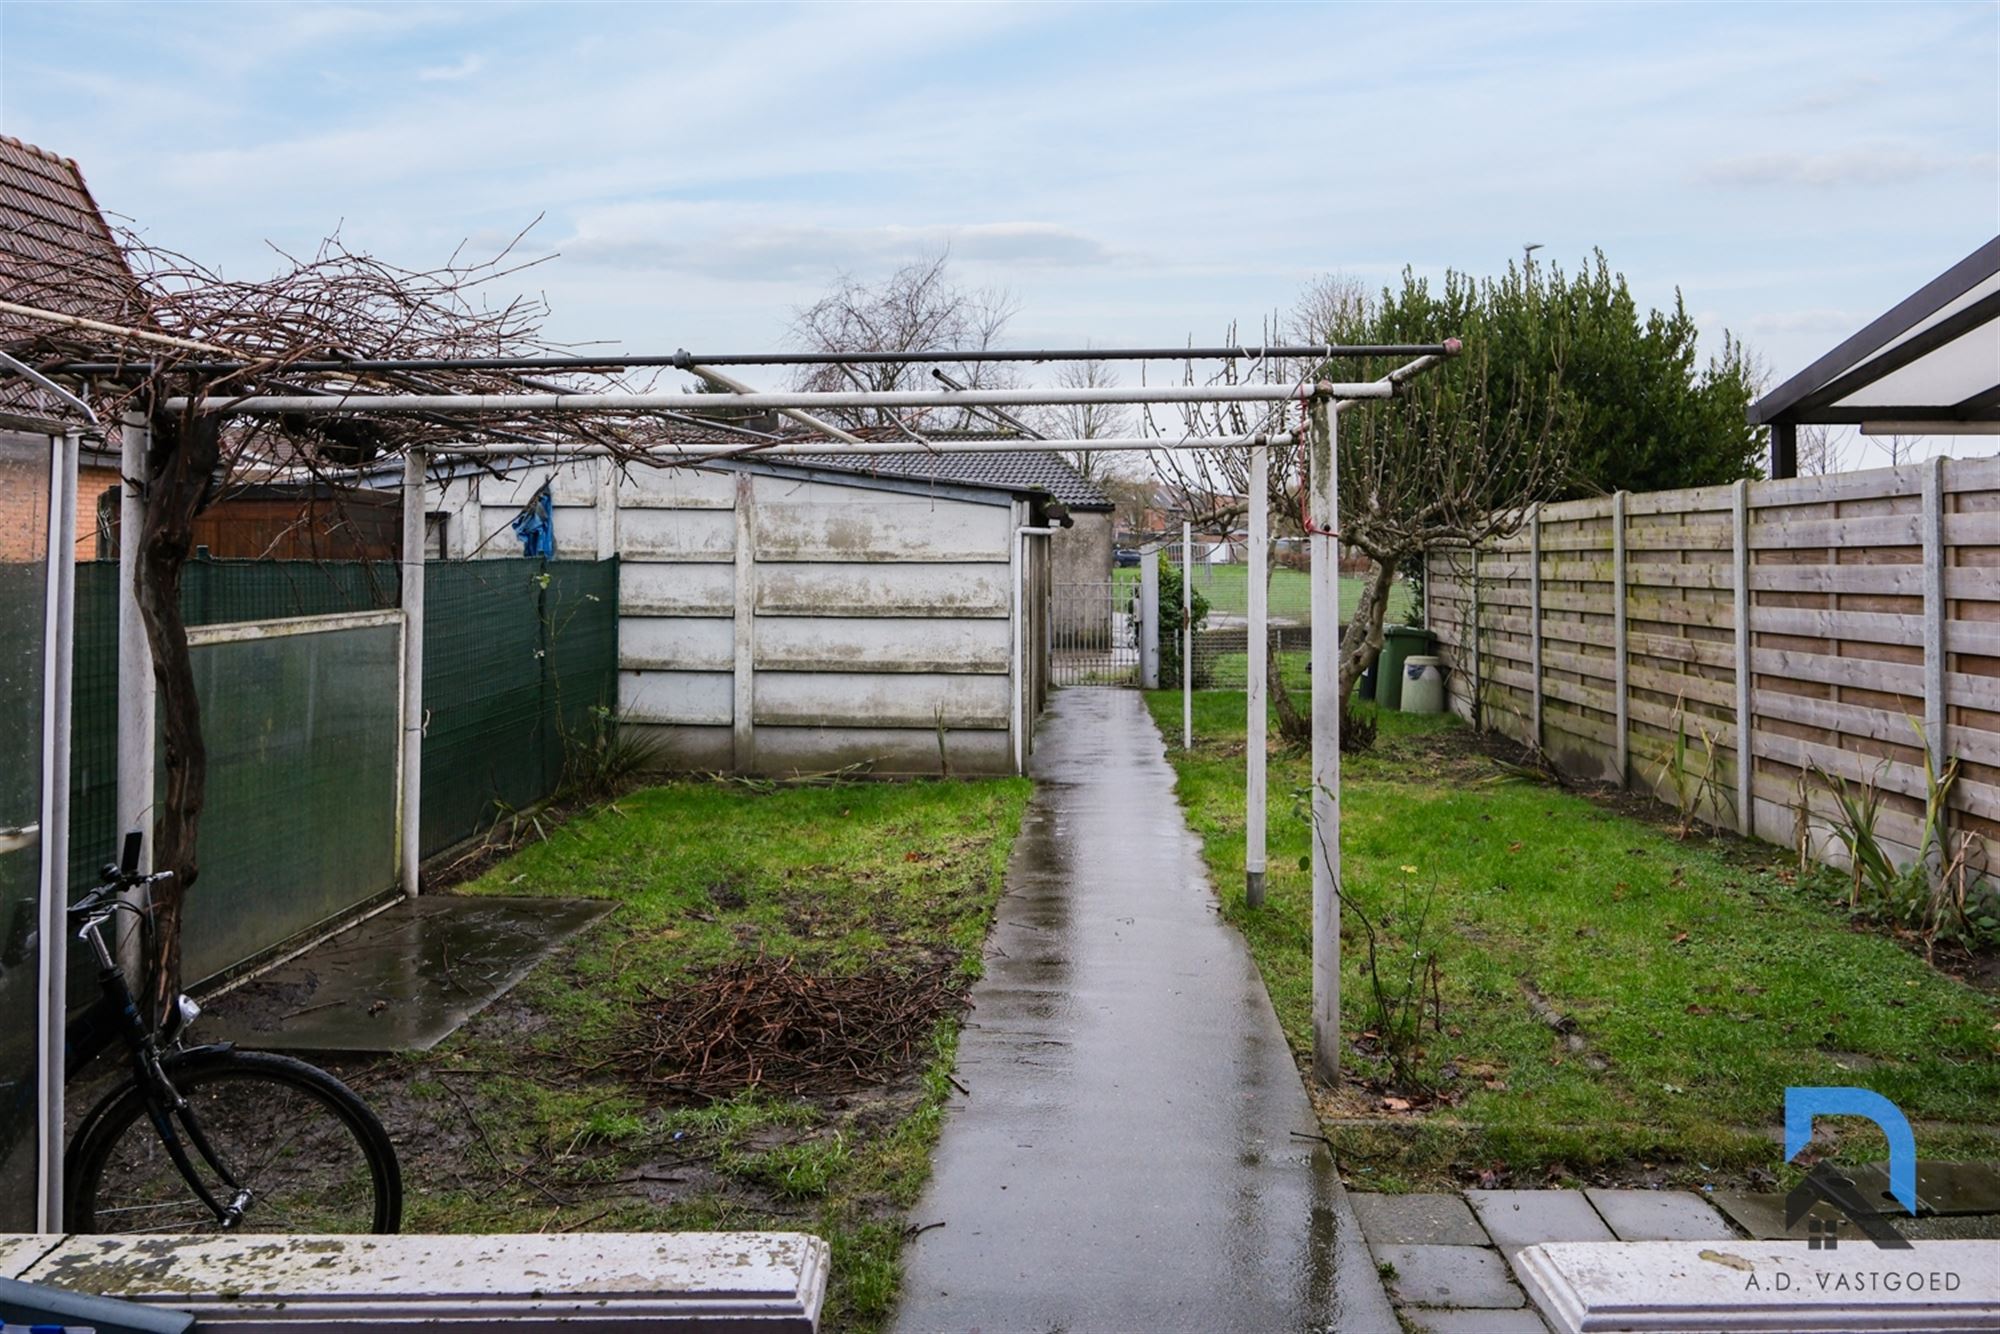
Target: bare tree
point(918, 308)
point(1086, 421)
point(205, 339)
point(1901, 449)
point(1820, 451)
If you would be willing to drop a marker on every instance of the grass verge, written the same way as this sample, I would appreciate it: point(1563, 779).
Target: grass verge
point(517, 1124)
point(1700, 977)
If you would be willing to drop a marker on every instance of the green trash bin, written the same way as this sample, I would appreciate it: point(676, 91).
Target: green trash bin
point(1398, 642)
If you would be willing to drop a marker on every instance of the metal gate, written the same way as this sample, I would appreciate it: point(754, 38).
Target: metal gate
point(1090, 634)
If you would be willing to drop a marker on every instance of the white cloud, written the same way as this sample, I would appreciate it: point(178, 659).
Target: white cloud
point(732, 241)
point(465, 68)
point(1879, 163)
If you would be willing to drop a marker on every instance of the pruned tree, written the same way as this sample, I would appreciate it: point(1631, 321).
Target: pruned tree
point(201, 339)
point(1449, 465)
point(917, 308)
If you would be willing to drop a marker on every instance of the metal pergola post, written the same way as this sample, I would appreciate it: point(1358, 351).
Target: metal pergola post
point(1254, 756)
point(1324, 510)
point(1187, 635)
point(137, 724)
point(52, 944)
point(409, 804)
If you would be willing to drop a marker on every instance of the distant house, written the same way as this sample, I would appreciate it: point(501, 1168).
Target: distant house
point(57, 254)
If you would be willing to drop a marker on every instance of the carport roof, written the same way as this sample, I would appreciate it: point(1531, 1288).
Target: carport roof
point(1931, 362)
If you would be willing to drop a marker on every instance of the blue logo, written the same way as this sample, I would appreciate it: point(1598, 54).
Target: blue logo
point(1826, 1184)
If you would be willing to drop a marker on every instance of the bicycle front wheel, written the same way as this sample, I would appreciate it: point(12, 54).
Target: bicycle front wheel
point(308, 1152)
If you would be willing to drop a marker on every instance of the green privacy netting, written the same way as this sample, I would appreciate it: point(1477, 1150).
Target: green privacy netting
point(519, 654)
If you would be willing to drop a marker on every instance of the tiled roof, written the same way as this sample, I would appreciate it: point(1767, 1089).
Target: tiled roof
point(55, 250)
point(1031, 470)
point(55, 254)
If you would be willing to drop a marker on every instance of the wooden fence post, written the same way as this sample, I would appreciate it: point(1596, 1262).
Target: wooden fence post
point(1535, 623)
point(1746, 760)
point(1620, 651)
point(1473, 618)
point(1935, 649)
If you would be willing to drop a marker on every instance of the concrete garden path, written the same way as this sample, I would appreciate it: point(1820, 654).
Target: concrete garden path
point(1135, 1150)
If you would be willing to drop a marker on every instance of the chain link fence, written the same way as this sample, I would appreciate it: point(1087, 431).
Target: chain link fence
point(1219, 580)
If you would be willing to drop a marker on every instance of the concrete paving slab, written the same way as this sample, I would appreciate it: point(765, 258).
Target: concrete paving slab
point(1942, 1188)
point(1516, 1218)
point(1762, 1214)
point(1133, 1151)
point(1416, 1220)
point(1475, 1322)
point(1460, 1276)
point(1658, 1215)
point(1952, 1227)
point(402, 980)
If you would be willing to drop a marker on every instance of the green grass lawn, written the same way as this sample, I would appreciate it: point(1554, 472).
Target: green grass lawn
point(705, 873)
point(1227, 588)
point(1702, 979)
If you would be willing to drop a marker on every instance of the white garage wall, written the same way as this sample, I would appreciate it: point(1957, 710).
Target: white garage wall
point(773, 622)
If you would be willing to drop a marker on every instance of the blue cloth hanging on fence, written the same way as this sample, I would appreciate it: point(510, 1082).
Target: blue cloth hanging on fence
point(536, 526)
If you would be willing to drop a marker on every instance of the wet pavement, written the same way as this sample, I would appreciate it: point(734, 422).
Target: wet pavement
point(402, 980)
point(1136, 1150)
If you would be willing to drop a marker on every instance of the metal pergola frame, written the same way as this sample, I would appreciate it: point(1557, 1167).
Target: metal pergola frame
point(1320, 402)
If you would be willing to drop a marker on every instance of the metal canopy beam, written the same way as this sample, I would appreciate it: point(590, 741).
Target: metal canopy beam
point(289, 404)
point(687, 361)
point(673, 452)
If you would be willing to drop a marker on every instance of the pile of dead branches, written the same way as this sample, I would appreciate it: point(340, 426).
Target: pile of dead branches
point(772, 1024)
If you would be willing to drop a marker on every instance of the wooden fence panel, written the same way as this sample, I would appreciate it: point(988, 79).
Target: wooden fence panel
point(1845, 624)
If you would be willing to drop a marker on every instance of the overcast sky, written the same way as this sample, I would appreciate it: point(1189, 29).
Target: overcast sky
point(1130, 174)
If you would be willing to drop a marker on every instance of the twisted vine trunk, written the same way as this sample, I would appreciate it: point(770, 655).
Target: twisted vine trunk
point(1362, 640)
point(181, 466)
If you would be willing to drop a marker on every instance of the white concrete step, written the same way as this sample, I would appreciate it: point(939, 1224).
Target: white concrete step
point(1719, 1287)
point(578, 1283)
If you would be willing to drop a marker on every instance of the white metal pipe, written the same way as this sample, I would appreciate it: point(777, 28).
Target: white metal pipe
point(1018, 627)
point(53, 938)
point(99, 326)
point(806, 419)
point(1324, 511)
point(671, 452)
point(1259, 646)
point(136, 692)
point(900, 398)
point(410, 802)
point(1187, 635)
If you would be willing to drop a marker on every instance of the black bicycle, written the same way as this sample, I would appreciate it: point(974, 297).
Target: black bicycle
point(209, 1138)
